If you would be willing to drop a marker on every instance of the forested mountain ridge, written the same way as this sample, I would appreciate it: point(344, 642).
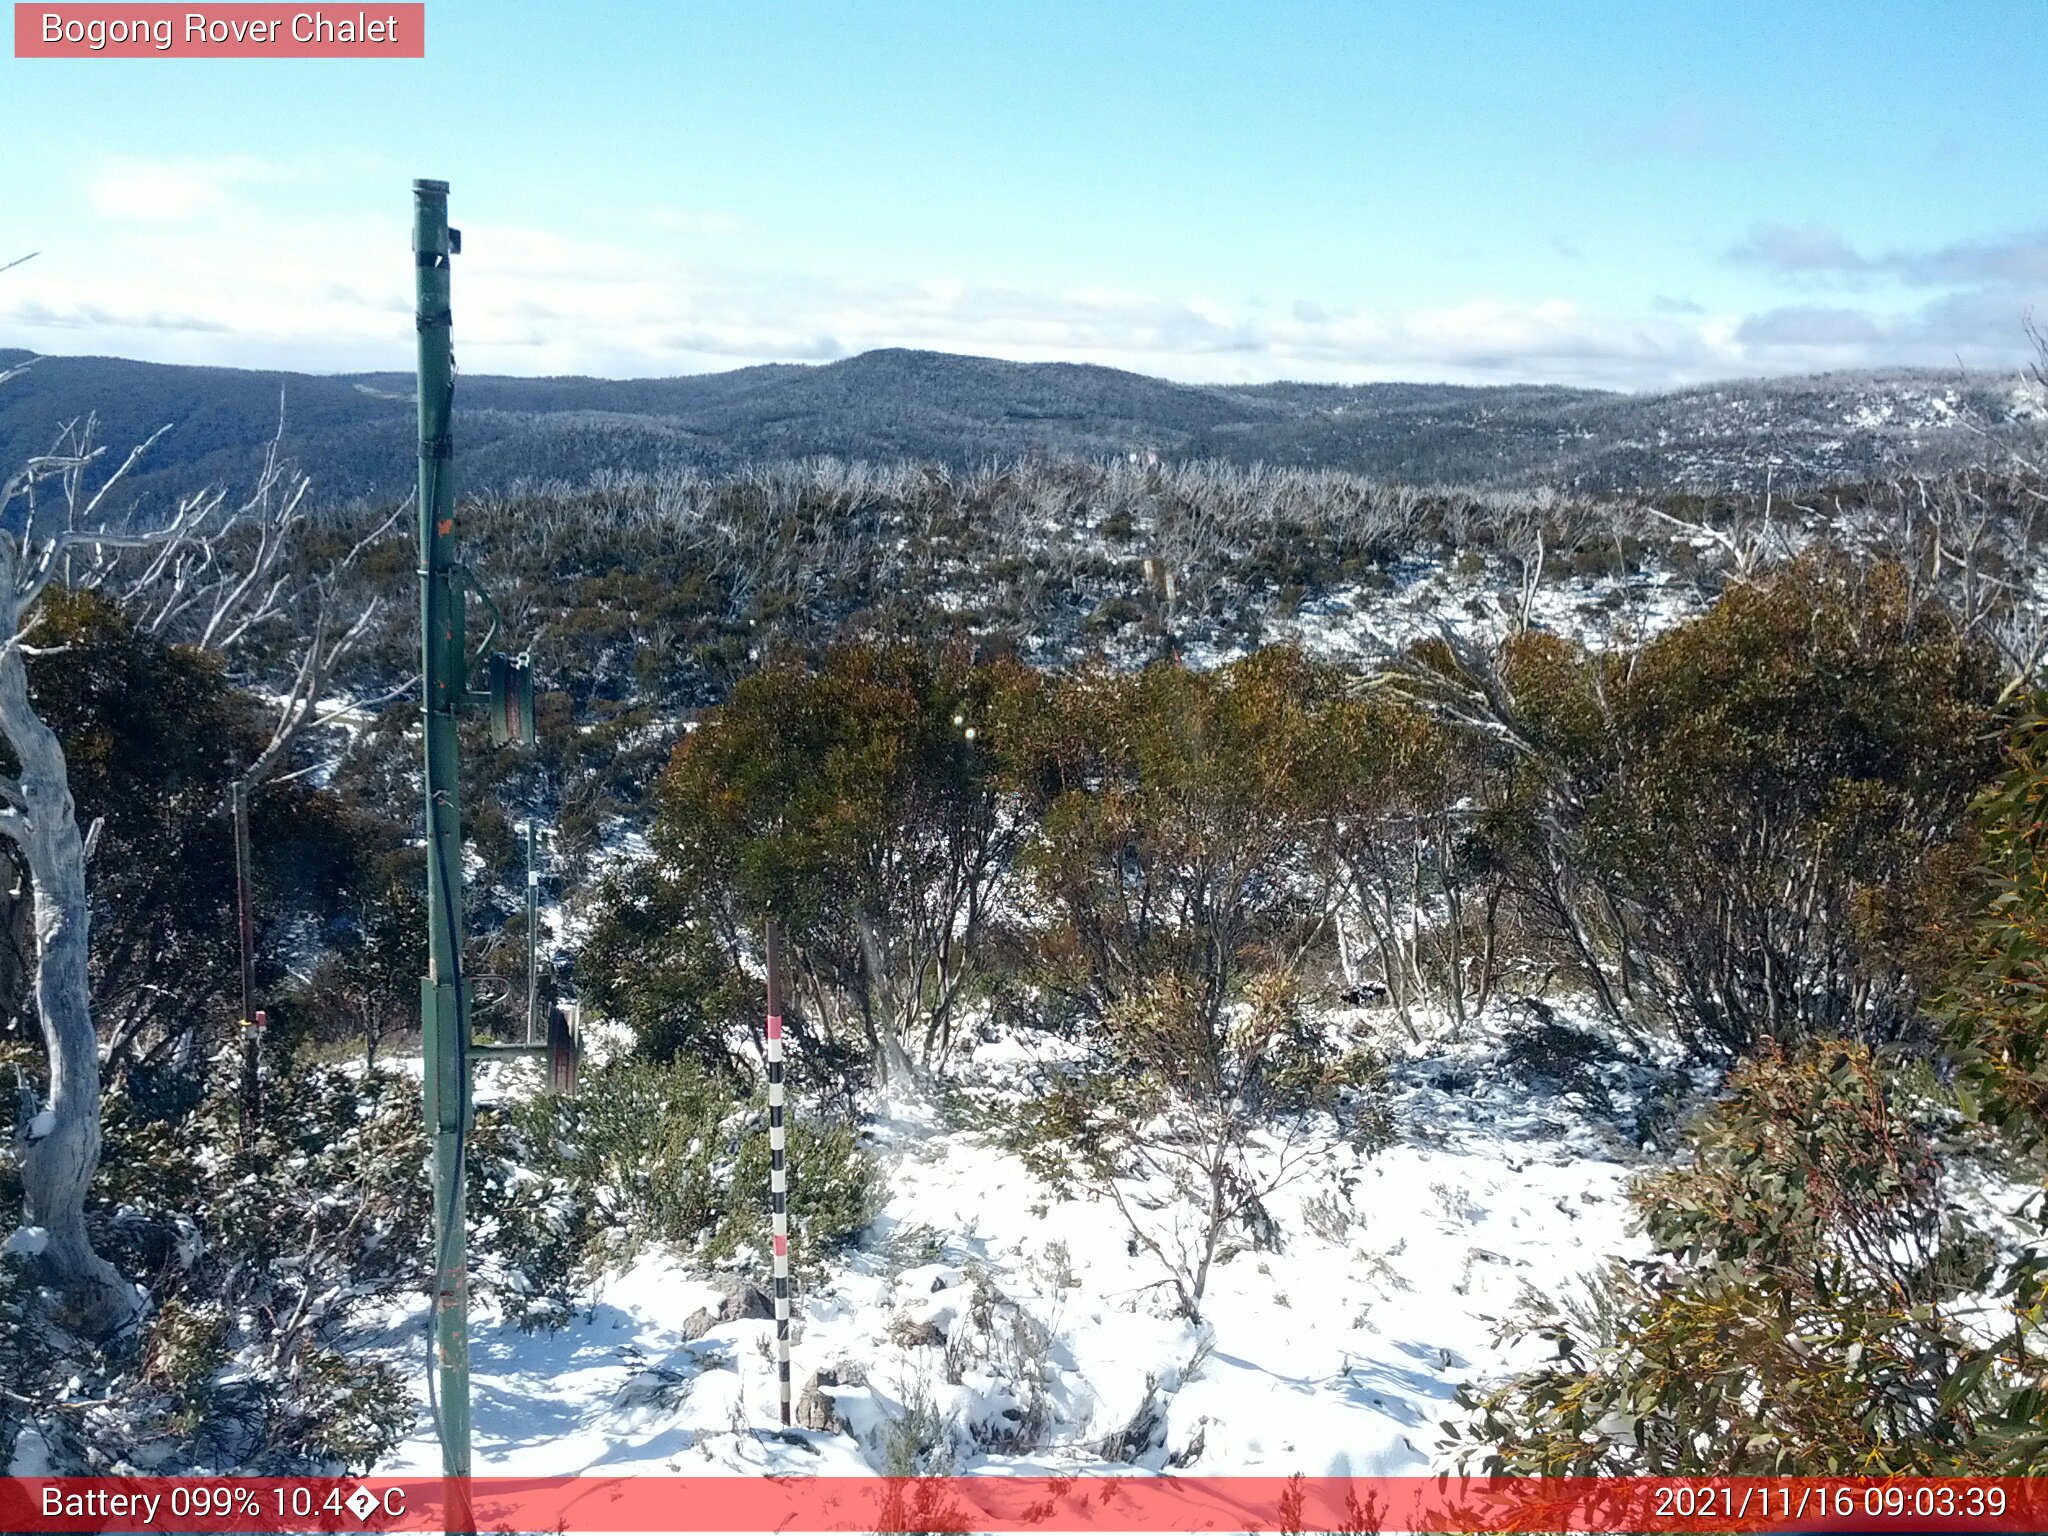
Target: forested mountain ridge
point(353, 432)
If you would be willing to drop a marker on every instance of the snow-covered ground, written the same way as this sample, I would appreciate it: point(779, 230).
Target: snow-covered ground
point(1337, 1352)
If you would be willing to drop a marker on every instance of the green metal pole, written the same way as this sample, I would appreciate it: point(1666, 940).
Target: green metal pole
point(443, 995)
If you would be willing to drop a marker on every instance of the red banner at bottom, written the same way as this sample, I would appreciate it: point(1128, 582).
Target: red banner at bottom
point(1003, 1504)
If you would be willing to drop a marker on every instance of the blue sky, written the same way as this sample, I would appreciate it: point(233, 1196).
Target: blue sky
point(1630, 196)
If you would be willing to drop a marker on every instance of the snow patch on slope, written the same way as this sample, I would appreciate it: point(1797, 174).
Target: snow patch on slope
point(1339, 1352)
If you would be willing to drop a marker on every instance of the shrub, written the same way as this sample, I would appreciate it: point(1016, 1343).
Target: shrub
point(1996, 1000)
point(1786, 770)
point(834, 1191)
point(365, 990)
point(154, 735)
point(263, 1250)
point(1223, 1111)
point(673, 1155)
point(1811, 1309)
point(1997, 1037)
point(1179, 815)
point(1741, 830)
point(1180, 859)
point(863, 803)
point(532, 1239)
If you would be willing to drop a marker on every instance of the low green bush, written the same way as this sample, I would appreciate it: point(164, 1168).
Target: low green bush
point(263, 1253)
point(670, 1154)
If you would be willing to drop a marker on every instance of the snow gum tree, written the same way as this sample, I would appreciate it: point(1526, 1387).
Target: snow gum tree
point(865, 802)
point(1180, 824)
point(55, 536)
point(1739, 830)
point(1179, 862)
point(58, 1144)
point(1421, 903)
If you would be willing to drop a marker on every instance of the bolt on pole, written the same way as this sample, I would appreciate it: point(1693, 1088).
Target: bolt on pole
point(444, 671)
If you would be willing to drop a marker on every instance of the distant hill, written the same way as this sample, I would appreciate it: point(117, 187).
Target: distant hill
point(355, 432)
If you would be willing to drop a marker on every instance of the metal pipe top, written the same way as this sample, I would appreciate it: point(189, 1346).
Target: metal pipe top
point(440, 187)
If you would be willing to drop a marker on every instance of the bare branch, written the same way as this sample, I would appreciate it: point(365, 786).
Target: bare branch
point(127, 464)
point(55, 548)
point(370, 538)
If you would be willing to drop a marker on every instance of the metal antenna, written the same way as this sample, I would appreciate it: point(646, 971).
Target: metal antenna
point(444, 993)
point(444, 1032)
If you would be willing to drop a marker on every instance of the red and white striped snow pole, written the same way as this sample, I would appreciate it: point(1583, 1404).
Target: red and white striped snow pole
point(778, 1168)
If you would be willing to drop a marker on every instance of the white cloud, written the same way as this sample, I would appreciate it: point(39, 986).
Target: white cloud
point(1966, 301)
point(2013, 261)
point(205, 274)
point(1796, 249)
point(172, 191)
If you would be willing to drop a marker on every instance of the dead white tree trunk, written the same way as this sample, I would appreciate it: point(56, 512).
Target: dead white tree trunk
point(59, 1145)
